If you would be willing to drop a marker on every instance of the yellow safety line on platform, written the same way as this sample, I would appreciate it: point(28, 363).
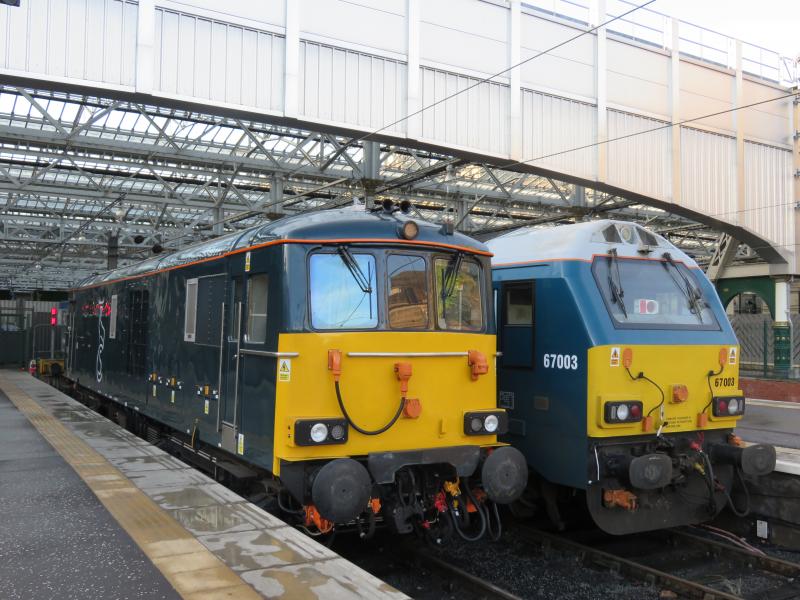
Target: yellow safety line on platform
point(188, 565)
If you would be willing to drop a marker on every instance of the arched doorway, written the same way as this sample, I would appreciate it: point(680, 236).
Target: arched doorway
point(763, 287)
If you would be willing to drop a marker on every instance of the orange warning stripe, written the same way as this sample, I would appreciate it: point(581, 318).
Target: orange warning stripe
point(385, 241)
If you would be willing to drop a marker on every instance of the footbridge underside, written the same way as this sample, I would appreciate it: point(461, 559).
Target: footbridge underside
point(175, 120)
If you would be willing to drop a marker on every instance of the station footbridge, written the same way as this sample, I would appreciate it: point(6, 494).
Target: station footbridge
point(131, 127)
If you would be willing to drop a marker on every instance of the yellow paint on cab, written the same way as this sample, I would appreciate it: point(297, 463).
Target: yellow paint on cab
point(667, 366)
point(371, 391)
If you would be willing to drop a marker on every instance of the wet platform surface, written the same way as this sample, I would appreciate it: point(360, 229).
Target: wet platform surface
point(136, 522)
point(776, 423)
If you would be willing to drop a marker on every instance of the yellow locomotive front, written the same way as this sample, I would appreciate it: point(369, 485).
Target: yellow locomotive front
point(385, 393)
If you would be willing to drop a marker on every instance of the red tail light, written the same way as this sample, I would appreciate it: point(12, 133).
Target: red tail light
point(728, 406)
point(623, 412)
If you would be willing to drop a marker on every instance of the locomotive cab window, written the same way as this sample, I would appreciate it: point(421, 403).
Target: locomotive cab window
point(459, 304)
point(343, 292)
point(516, 337)
point(652, 294)
point(256, 332)
point(408, 292)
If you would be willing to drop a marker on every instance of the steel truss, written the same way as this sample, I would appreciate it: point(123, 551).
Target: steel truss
point(80, 174)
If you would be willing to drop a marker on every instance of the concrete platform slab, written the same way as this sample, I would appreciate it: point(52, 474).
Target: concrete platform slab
point(197, 538)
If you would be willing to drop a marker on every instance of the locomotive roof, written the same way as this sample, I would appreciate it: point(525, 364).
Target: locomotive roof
point(582, 241)
point(351, 224)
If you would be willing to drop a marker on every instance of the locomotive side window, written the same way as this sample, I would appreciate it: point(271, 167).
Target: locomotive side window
point(256, 332)
point(112, 319)
point(408, 292)
point(208, 317)
point(190, 314)
point(138, 304)
point(343, 291)
point(516, 342)
point(458, 294)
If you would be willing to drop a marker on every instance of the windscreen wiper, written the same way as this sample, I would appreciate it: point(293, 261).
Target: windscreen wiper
point(617, 293)
point(450, 275)
point(693, 295)
point(363, 281)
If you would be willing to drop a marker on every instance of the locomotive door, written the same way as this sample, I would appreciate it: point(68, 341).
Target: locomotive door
point(232, 342)
point(516, 323)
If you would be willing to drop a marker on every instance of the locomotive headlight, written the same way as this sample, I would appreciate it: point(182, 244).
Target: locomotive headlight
point(319, 432)
point(728, 406)
point(486, 423)
point(337, 432)
point(622, 412)
point(409, 230)
point(491, 423)
point(315, 432)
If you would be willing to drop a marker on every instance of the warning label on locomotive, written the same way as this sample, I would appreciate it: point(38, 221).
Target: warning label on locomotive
point(732, 355)
point(615, 356)
point(285, 369)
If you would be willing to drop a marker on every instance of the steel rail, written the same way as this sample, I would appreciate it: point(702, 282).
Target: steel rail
point(635, 570)
point(489, 589)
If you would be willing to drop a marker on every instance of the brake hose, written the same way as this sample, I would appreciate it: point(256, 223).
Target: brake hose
point(480, 512)
point(746, 510)
point(366, 431)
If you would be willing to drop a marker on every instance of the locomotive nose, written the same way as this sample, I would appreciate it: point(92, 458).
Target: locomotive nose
point(504, 474)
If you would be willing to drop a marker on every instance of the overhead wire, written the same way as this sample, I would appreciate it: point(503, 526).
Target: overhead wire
point(495, 75)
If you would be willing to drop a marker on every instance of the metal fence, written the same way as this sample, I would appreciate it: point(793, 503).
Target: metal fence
point(26, 331)
point(756, 340)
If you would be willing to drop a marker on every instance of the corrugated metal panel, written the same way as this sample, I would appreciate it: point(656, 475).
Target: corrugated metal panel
point(476, 119)
point(708, 173)
point(94, 40)
point(38, 306)
point(769, 207)
point(343, 86)
point(552, 127)
point(641, 163)
point(202, 58)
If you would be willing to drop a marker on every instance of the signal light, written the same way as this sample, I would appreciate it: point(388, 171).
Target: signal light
point(728, 406)
point(486, 423)
point(320, 432)
point(623, 412)
point(53, 316)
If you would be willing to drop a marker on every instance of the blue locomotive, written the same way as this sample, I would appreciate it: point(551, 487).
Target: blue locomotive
point(619, 370)
point(343, 359)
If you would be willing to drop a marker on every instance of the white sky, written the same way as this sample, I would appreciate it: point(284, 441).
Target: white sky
point(773, 24)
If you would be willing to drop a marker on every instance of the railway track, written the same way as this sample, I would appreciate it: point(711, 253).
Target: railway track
point(689, 565)
point(477, 587)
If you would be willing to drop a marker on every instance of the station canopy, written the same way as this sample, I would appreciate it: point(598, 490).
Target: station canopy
point(87, 181)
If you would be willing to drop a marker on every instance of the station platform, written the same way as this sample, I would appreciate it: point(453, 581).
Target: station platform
point(92, 511)
point(777, 423)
